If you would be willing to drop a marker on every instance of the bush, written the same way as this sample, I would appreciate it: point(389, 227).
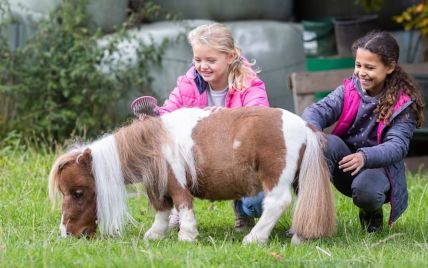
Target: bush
point(415, 17)
point(55, 86)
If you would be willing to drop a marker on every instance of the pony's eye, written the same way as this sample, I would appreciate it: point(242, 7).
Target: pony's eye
point(77, 194)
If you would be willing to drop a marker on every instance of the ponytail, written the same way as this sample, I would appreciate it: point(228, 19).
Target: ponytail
point(241, 72)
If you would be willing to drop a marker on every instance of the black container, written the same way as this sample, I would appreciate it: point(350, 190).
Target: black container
point(349, 29)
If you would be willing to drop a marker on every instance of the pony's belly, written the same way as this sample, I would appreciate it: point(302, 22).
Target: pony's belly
point(228, 187)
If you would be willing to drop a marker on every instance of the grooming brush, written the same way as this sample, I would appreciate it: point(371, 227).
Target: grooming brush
point(145, 105)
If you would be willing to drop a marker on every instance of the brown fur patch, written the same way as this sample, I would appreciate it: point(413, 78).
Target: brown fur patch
point(180, 196)
point(139, 148)
point(233, 149)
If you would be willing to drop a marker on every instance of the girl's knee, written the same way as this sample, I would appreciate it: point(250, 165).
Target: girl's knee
point(335, 143)
point(370, 189)
point(368, 201)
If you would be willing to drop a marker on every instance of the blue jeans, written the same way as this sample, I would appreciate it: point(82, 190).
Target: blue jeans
point(252, 206)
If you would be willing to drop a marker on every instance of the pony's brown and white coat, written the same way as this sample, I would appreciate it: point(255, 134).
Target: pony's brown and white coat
point(212, 155)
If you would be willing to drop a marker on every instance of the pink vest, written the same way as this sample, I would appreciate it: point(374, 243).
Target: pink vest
point(351, 103)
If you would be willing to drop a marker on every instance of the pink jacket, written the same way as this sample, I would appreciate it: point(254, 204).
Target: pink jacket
point(186, 94)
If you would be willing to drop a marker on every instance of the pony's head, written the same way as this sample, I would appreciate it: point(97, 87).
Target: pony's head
point(72, 177)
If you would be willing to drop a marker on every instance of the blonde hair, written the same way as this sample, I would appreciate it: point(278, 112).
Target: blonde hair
point(219, 37)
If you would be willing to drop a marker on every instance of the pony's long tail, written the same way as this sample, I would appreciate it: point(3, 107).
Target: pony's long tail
point(314, 214)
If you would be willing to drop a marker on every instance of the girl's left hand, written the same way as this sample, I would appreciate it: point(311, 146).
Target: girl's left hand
point(353, 162)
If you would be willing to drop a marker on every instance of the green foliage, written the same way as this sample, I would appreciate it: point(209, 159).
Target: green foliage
point(55, 84)
point(146, 11)
point(415, 17)
point(370, 5)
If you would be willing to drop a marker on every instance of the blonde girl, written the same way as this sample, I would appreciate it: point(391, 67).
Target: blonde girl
point(220, 76)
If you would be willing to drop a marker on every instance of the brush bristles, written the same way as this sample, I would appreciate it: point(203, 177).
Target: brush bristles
point(144, 105)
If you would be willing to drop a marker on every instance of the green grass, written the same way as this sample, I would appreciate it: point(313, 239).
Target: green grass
point(29, 233)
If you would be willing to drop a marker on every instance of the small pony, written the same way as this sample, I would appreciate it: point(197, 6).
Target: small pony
point(214, 155)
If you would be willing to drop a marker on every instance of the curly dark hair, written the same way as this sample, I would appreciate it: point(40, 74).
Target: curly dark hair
point(386, 47)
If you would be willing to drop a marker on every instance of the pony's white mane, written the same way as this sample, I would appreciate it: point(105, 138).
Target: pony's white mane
point(112, 211)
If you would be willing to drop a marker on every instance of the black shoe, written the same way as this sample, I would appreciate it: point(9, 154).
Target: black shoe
point(372, 222)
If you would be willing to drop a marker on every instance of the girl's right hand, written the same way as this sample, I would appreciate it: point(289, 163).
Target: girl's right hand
point(353, 162)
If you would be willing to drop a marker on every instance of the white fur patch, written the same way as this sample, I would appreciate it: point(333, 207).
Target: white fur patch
point(62, 227)
point(295, 240)
point(188, 231)
point(294, 130)
point(159, 226)
point(236, 144)
point(174, 219)
point(179, 126)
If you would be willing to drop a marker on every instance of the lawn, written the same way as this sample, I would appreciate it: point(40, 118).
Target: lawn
point(29, 233)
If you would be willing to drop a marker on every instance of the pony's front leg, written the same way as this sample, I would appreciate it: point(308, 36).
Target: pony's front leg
point(188, 231)
point(159, 226)
point(274, 205)
point(183, 202)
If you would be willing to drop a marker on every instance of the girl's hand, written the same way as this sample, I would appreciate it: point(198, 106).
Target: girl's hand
point(141, 117)
point(353, 162)
point(214, 109)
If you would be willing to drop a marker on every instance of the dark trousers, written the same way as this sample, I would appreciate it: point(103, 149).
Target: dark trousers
point(369, 189)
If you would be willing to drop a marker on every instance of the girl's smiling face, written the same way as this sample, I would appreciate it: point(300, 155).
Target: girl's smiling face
point(371, 71)
point(212, 65)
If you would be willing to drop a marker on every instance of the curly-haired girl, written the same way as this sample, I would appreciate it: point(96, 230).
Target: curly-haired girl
point(376, 110)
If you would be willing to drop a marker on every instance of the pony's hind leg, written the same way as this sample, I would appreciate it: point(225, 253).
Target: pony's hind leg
point(274, 205)
point(278, 171)
point(159, 226)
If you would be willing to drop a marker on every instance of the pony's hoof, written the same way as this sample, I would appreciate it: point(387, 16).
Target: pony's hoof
point(187, 236)
point(296, 240)
point(153, 235)
point(251, 239)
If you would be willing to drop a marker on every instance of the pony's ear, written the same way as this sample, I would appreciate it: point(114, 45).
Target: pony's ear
point(86, 157)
